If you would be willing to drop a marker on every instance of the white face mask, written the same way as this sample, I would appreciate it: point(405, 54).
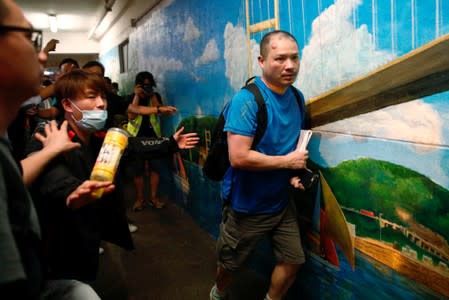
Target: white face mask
point(92, 120)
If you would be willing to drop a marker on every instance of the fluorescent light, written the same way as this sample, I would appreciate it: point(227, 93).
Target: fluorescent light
point(53, 23)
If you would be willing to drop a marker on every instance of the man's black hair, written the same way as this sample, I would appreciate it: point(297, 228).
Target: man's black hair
point(267, 38)
point(141, 76)
point(94, 63)
point(68, 60)
point(108, 80)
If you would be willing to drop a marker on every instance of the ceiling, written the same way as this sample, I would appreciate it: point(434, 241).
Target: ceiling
point(73, 16)
point(87, 26)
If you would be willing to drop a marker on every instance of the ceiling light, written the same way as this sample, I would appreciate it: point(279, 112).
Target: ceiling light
point(53, 23)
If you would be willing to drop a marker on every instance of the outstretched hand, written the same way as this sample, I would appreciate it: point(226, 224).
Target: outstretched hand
point(187, 140)
point(167, 109)
point(56, 139)
point(83, 194)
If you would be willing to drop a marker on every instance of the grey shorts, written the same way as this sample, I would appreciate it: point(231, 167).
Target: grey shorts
point(239, 234)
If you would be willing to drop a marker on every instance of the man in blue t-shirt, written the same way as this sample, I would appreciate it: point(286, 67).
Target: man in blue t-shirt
point(256, 185)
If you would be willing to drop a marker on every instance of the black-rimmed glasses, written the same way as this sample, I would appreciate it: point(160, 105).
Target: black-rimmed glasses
point(34, 35)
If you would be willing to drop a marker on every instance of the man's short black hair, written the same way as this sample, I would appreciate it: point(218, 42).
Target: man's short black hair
point(141, 76)
point(267, 38)
point(68, 60)
point(94, 63)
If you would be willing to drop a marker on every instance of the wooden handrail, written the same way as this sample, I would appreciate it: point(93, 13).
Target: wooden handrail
point(422, 72)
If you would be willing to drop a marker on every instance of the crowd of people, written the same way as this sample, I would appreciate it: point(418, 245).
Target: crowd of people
point(48, 207)
point(51, 134)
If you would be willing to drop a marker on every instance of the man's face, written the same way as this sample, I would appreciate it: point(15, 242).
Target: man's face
point(20, 65)
point(89, 100)
point(94, 70)
point(280, 66)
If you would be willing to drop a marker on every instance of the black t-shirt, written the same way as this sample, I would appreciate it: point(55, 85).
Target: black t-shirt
point(116, 110)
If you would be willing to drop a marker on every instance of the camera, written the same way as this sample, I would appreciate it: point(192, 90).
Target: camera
point(308, 178)
point(148, 88)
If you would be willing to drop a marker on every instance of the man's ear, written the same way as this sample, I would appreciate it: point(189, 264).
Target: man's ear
point(66, 105)
point(261, 60)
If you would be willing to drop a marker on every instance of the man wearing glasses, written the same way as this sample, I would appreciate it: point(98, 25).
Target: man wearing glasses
point(21, 66)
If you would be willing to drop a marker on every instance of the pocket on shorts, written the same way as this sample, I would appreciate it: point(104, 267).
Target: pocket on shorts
point(226, 251)
point(231, 239)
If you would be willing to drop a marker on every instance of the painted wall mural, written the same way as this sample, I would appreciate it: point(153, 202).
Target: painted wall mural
point(388, 169)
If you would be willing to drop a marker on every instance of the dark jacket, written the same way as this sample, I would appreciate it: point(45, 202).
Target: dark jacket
point(72, 237)
point(20, 244)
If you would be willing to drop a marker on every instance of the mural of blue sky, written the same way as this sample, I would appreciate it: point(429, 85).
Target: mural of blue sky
point(339, 39)
point(417, 126)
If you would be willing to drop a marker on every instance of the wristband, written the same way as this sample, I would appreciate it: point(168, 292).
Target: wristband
point(158, 110)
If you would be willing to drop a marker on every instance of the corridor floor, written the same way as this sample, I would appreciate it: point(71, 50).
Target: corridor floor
point(173, 259)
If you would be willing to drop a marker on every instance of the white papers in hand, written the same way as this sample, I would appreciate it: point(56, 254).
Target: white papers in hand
point(303, 140)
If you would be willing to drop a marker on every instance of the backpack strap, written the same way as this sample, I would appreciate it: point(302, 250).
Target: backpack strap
point(302, 109)
point(250, 80)
point(261, 113)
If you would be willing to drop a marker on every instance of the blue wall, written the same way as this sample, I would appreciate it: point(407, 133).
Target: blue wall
point(394, 160)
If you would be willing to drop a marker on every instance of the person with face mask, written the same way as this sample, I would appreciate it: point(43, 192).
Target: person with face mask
point(74, 222)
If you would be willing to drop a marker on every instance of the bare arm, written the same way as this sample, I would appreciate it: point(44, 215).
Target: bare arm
point(135, 109)
point(147, 110)
point(241, 156)
point(48, 113)
point(55, 142)
point(47, 91)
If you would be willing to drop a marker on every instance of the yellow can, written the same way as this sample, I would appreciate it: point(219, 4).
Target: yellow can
point(114, 144)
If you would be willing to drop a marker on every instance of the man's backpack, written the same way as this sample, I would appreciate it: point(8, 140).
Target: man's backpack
point(217, 160)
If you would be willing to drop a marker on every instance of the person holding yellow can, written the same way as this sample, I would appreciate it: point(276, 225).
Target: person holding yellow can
point(79, 196)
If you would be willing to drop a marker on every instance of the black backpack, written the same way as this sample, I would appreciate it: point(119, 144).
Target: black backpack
point(217, 160)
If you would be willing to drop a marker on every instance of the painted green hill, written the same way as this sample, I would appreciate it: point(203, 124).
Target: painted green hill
point(201, 126)
point(393, 190)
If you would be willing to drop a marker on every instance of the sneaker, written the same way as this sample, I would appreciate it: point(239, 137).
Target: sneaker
point(132, 227)
point(214, 295)
point(100, 250)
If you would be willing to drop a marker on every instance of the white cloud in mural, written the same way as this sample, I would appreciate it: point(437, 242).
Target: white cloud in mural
point(149, 33)
point(413, 121)
point(113, 69)
point(337, 51)
point(210, 53)
point(191, 32)
point(236, 55)
point(158, 66)
point(195, 77)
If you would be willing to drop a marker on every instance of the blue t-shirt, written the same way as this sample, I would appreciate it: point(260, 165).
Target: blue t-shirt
point(262, 192)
